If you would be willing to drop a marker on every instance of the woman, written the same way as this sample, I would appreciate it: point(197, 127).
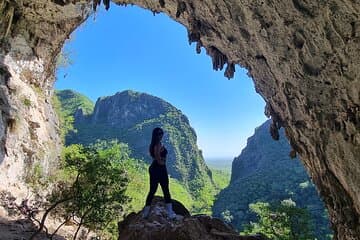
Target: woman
point(158, 173)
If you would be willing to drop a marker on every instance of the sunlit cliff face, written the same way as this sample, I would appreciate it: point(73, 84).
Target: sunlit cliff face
point(304, 57)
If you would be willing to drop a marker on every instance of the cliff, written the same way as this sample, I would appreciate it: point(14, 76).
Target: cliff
point(265, 172)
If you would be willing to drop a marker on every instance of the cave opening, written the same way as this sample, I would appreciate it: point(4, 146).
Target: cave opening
point(151, 54)
point(302, 55)
point(131, 69)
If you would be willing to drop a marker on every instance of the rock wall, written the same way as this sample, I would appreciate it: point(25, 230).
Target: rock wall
point(303, 55)
point(32, 34)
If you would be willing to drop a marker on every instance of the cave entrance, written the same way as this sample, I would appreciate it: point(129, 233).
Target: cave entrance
point(157, 60)
point(147, 53)
point(302, 55)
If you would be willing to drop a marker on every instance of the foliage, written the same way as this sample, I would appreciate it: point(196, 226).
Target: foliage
point(221, 177)
point(139, 186)
point(264, 172)
point(71, 101)
point(205, 195)
point(66, 103)
point(185, 162)
point(190, 179)
point(66, 120)
point(93, 184)
point(284, 221)
point(138, 173)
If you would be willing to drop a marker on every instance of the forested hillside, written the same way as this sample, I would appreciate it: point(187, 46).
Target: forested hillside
point(130, 117)
point(264, 172)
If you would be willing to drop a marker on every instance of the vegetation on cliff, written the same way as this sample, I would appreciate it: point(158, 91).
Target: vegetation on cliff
point(72, 101)
point(67, 103)
point(264, 172)
point(129, 117)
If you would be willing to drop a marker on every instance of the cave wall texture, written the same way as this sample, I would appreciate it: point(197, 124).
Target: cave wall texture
point(303, 55)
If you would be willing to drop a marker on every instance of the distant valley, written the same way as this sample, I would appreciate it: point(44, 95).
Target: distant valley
point(220, 163)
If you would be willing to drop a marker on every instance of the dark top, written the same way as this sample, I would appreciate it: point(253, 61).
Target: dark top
point(163, 154)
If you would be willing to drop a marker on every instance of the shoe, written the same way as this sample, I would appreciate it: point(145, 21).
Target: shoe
point(145, 212)
point(171, 214)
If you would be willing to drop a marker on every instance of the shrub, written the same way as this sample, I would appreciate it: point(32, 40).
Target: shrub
point(93, 187)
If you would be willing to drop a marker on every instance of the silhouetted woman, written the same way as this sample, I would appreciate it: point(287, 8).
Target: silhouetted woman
point(158, 173)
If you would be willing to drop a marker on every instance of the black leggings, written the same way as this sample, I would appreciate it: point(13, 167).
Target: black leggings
point(158, 174)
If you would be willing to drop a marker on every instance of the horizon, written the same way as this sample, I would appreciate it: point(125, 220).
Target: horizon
point(224, 113)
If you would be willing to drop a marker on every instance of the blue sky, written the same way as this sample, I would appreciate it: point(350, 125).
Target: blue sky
point(129, 48)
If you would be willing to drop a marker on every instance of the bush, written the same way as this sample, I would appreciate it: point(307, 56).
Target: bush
point(93, 185)
point(284, 221)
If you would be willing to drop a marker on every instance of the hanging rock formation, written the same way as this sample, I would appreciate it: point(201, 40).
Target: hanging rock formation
point(304, 57)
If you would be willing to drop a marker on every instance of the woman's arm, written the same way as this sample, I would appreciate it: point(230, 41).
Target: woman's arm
point(157, 151)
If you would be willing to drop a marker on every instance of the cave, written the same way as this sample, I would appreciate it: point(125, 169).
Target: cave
point(303, 56)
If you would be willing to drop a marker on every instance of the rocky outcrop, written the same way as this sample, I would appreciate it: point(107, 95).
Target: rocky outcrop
point(29, 129)
point(29, 133)
point(303, 55)
point(185, 227)
point(127, 108)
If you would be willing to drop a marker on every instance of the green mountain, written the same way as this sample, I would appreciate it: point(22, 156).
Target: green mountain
point(73, 102)
point(130, 117)
point(265, 172)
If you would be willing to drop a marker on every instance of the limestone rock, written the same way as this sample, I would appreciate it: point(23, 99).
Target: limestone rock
point(158, 227)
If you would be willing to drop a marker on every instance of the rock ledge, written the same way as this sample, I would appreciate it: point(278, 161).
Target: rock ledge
point(185, 227)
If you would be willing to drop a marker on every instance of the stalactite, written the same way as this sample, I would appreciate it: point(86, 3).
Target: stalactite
point(181, 7)
point(193, 36)
point(218, 58)
point(95, 4)
point(107, 4)
point(292, 153)
point(198, 47)
point(276, 124)
point(274, 131)
point(162, 3)
point(230, 70)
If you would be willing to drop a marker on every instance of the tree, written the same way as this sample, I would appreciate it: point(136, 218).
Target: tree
point(93, 185)
point(283, 221)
